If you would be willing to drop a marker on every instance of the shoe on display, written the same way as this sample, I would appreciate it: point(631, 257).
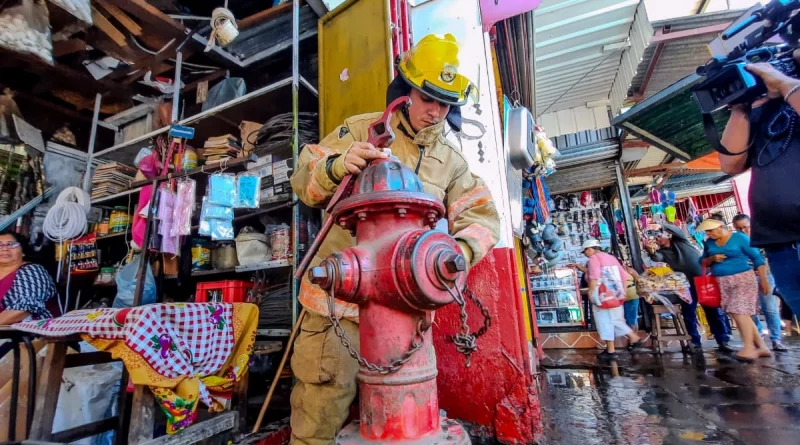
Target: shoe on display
point(605, 355)
point(724, 347)
point(779, 347)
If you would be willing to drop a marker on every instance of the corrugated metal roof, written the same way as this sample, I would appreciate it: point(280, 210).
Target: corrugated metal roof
point(580, 47)
point(585, 177)
point(680, 58)
point(586, 160)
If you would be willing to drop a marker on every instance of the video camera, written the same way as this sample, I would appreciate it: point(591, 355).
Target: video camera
point(727, 82)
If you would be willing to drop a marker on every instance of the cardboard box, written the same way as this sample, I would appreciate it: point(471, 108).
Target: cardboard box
point(248, 132)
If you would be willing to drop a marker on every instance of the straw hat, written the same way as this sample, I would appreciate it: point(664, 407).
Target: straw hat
point(709, 224)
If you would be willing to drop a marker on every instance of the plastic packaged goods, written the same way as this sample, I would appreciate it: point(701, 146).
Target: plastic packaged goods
point(221, 229)
point(280, 241)
point(205, 228)
point(184, 207)
point(214, 211)
point(222, 189)
point(248, 191)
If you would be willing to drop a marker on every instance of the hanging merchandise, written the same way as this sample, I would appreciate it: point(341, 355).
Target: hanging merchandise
point(643, 222)
point(248, 191)
point(586, 199)
point(222, 189)
point(618, 215)
point(670, 212)
point(165, 217)
point(545, 163)
point(223, 28)
point(83, 255)
point(637, 212)
point(655, 196)
point(204, 229)
point(221, 229)
point(184, 207)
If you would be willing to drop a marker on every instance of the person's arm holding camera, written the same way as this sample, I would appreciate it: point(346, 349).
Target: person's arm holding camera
point(736, 137)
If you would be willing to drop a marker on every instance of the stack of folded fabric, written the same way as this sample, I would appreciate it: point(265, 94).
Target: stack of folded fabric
point(218, 148)
point(111, 178)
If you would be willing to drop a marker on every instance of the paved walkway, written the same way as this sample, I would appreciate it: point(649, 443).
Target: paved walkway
point(642, 399)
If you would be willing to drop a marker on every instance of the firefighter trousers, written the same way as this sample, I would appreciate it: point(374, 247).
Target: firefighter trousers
point(326, 380)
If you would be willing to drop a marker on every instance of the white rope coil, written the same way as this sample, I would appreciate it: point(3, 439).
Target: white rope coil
point(67, 218)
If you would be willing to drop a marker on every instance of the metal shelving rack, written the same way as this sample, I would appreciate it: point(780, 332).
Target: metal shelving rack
point(126, 151)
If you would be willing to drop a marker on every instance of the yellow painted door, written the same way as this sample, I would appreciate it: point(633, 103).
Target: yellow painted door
point(355, 61)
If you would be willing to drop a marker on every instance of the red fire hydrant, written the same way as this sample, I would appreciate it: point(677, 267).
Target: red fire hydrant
point(398, 272)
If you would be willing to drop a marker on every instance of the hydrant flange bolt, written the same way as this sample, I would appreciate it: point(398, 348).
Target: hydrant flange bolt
point(455, 263)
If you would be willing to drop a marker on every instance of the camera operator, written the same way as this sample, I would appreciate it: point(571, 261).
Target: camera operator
point(765, 138)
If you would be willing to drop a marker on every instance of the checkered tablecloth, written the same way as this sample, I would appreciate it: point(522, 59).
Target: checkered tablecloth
point(178, 339)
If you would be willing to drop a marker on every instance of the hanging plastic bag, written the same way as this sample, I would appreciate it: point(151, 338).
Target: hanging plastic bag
point(126, 284)
point(205, 227)
point(184, 207)
point(221, 229)
point(222, 189)
point(225, 91)
point(248, 191)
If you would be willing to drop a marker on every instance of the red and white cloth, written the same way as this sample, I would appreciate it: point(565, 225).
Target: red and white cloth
point(178, 339)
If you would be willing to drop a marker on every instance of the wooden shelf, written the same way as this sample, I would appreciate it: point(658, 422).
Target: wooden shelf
point(112, 235)
point(276, 100)
point(557, 307)
point(275, 264)
point(108, 200)
point(560, 325)
point(545, 289)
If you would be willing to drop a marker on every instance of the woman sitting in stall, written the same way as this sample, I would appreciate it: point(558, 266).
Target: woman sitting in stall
point(26, 292)
point(26, 289)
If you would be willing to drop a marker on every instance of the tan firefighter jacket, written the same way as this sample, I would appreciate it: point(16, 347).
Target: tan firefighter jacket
point(471, 214)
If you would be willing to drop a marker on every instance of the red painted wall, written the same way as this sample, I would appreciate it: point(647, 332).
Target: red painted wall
point(497, 392)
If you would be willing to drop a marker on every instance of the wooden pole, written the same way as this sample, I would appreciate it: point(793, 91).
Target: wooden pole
point(279, 371)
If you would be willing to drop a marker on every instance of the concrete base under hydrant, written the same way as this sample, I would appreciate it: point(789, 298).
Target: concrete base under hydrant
point(452, 433)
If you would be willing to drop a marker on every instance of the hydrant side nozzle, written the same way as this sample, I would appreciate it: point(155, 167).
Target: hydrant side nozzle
point(319, 276)
point(455, 263)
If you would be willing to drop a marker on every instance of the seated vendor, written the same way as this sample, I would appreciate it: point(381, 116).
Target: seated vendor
point(26, 289)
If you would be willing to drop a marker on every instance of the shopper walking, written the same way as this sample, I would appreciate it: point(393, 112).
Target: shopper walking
point(671, 246)
point(768, 302)
point(732, 261)
point(607, 279)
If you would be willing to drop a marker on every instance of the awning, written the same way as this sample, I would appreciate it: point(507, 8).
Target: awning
point(671, 121)
point(587, 51)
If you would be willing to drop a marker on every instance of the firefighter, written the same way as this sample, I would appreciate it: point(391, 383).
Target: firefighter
point(430, 74)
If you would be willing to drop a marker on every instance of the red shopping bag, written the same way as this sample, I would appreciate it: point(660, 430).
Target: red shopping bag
point(707, 290)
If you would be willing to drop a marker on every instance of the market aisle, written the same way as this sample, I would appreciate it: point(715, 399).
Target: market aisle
point(707, 399)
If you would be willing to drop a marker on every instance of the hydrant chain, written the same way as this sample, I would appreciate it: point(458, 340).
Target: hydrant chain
point(395, 365)
point(465, 342)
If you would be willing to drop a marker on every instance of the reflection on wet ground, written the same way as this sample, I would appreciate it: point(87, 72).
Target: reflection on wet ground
point(640, 399)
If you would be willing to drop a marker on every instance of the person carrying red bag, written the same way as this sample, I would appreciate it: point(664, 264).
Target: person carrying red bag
point(732, 261)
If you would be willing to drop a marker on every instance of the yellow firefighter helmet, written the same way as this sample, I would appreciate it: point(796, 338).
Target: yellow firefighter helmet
point(434, 67)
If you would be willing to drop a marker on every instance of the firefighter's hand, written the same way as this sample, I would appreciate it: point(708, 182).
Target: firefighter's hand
point(354, 160)
point(778, 84)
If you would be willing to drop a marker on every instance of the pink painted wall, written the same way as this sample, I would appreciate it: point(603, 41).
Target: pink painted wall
point(497, 392)
point(741, 187)
point(493, 11)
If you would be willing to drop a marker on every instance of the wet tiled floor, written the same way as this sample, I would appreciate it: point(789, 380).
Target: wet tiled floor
point(640, 399)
